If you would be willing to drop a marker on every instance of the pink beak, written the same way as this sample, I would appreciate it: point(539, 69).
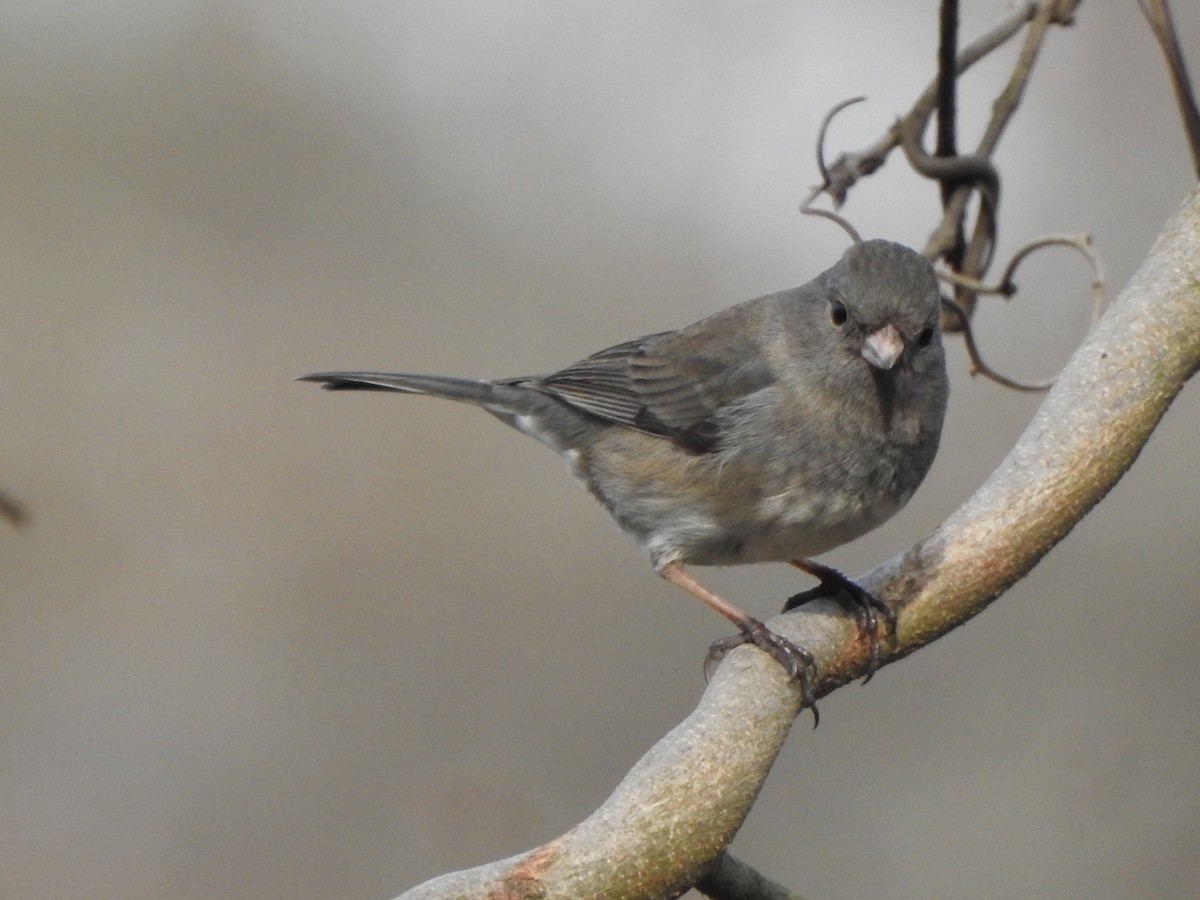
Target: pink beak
point(883, 347)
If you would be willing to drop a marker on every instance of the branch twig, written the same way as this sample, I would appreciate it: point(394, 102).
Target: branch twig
point(1005, 287)
point(983, 240)
point(959, 175)
point(947, 103)
point(731, 879)
point(1158, 15)
point(848, 168)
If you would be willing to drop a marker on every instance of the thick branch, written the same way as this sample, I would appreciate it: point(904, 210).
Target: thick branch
point(683, 802)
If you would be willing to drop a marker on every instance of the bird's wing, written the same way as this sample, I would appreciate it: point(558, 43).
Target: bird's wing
point(670, 384)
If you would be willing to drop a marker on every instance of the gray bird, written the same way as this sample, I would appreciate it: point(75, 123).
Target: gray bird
point(771, 431)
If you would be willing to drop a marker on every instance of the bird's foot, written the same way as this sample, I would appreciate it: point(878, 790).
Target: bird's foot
point(795, 660)
point(867, 609)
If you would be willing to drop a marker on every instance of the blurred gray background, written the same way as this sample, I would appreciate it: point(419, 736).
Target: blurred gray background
point(260, 641)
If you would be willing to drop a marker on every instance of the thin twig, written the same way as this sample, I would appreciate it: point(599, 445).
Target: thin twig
point(978, 366)
point(821, 132)
point(1006, 287)
point(1080, 242)
point(974, 169)
point(947, 104)
point(848, 168)
point(980, 248)
point(1158, 15)
point(963, 174)
point(806, 205)
point(731, 879)
point(1047, 13)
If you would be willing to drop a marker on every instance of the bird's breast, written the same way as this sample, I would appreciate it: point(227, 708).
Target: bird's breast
point(755, 503)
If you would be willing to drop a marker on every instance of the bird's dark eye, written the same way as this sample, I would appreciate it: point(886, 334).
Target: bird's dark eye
point(837, 313)
point(925, 337)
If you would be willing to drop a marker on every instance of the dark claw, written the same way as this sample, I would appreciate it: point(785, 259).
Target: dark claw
point(865, 606)
point(796, 661)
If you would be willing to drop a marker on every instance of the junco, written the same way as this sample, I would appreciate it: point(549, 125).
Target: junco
point(774, 430)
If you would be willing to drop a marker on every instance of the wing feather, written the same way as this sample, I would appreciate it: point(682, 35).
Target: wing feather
point(672, 384)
